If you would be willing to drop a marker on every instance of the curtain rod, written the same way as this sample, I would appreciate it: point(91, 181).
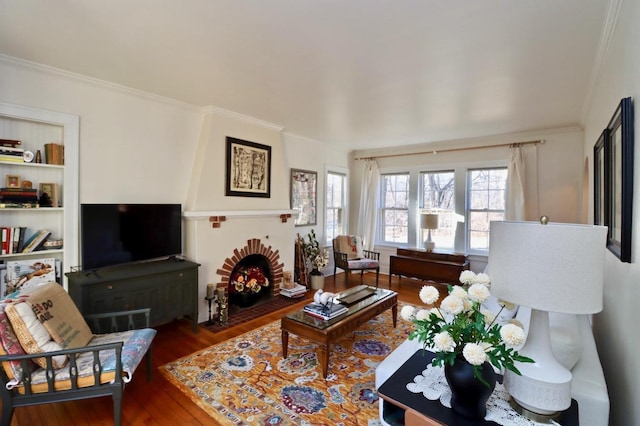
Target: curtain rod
point(436, 151)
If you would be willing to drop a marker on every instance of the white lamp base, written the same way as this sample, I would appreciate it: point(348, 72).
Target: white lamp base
point(545, 385)
point(428, 244)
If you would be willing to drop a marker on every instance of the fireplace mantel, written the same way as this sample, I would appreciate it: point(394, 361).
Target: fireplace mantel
point(206, 214)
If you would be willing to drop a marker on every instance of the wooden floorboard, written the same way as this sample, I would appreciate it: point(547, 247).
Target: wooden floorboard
point(158, 402)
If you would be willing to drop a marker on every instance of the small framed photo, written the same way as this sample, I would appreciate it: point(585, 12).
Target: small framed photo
point(50, 191)
point(13, 181)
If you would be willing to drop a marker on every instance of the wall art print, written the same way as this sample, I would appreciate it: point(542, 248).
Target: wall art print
point(303, 196)
point(248, 169)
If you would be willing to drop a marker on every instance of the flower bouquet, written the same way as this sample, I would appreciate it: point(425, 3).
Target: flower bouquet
point(248, 280)
point(461, 327)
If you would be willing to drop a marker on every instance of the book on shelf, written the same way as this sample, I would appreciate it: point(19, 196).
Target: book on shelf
point(327, 312)
point(18, 205)
point(24, 274)
point(36, 240)
point(54, 153)
point(11, 149)
point(10, 142)
point(6, 190)
point(11, 158)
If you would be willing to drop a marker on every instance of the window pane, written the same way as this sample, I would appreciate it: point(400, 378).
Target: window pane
point(336, 192)
point(396, 226)
point(395, 211)
point(438, 196)
point(487, 190)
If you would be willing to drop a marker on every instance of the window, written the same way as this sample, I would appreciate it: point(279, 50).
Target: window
point(335, 205)
point(395, 208)
point(438, 196)
point(486, 201)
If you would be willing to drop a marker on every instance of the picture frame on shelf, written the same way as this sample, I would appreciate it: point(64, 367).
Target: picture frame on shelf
point(52, 191)
point(304, 184)
point(618, 193)
point(248, 171)
point(12, 181)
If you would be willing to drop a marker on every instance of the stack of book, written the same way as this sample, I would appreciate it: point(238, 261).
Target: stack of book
point(325, 312)
point(10, 151)
point(297, 291)
point(19, 197)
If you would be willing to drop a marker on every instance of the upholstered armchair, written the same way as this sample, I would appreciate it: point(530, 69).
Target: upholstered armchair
point(49, 353)
point(349, 255)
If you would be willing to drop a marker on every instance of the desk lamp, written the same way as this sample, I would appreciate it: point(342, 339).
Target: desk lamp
point(549, 268)
point(429, 221)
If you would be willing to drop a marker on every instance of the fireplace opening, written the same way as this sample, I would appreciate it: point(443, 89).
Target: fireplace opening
point(250, 282)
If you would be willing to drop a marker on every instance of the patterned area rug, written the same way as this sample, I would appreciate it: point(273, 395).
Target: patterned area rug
point(245, 380)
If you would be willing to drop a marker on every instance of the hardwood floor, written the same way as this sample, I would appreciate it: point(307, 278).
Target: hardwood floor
point(158, 402)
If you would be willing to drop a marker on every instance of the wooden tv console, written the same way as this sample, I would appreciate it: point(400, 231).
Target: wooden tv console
point(434, 266)
point(168, 287)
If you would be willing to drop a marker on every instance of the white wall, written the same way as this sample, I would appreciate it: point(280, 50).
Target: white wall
point(615, 330)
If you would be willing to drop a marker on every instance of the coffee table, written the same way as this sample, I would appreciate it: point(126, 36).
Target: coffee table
point(364, 303)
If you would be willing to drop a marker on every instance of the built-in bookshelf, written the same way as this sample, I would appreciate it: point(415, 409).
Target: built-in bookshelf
point(35, 128)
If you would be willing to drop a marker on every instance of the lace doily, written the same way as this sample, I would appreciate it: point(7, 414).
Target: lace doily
point(433, 385)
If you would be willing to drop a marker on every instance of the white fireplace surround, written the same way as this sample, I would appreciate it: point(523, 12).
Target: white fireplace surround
point(211, 236)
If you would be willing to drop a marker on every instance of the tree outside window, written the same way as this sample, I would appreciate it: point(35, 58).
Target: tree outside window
point(486, 200)
point(335, 205)
point(395, 208)
point(438, 196)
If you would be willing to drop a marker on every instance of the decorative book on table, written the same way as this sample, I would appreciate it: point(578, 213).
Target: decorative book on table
point(329, 311)
point(296, 291)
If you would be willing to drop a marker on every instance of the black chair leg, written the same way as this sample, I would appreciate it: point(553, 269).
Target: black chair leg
point(117, 407)
point(7, 413)
point(377, 276)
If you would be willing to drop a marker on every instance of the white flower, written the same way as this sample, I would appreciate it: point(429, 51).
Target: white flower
point(478, 293)
point(467, 277)
point(459, 292)
point(483, 278)
point(489, 316)
point(408, 312)
point(452, 305)
point(423, 314)
point(467, 305)
point(429, 294)
point(444, 342)
point(474, 354)
point(512, 335)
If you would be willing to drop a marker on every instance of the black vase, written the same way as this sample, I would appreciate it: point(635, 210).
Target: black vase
point(468, 394)
point(244, 300)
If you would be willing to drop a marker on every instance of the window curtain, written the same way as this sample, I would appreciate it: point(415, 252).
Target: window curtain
point(367, 220)
point(522, 184)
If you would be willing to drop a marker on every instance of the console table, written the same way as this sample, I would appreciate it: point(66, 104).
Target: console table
point(168, 287)
point(428, 265)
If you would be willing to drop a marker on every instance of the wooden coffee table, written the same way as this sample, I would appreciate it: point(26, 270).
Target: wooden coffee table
point(364, 303)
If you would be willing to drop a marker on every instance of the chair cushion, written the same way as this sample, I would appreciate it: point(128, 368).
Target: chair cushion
point(351, 245)
point(136, 343)
point(59, 316)
point(10, 345)
point(362, 264)
point(33, 337)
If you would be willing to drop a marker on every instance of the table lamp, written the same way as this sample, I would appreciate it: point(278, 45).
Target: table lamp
point(429, 221)
point(549, 268)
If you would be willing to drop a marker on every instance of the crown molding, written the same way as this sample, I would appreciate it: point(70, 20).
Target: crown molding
point(241, 117)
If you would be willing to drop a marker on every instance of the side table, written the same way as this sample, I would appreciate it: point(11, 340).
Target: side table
point(396, 398)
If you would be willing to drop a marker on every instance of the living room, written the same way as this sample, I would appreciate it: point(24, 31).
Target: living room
point(145, 146)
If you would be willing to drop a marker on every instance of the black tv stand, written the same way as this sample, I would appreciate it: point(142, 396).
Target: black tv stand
point(176, 258)
point(169, 287)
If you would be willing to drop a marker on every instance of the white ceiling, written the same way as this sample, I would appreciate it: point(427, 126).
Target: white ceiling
point(368, 73)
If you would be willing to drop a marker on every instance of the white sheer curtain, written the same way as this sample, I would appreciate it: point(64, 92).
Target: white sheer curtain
point(367, 220)
point(522, 184)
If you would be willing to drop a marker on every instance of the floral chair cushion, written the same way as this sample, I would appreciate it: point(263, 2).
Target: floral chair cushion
point(362, 263)
point(136, 344)
point(10, 345)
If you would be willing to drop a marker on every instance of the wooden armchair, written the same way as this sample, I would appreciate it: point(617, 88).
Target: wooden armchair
point(349, 255)
point(102, 367)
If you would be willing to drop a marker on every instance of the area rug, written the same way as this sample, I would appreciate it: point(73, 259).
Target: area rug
point(245, 380)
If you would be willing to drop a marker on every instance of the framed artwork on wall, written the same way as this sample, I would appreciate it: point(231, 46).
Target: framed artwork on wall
point(248, 172)
point(303, 196)
point(618, 191)
point(599, 180)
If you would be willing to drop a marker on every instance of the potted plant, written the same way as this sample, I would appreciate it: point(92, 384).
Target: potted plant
point(316, 258)
point(466, 339)
point(246, 285)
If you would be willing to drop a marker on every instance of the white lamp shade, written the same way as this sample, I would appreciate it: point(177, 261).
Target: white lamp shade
point(429, 221)
point(554, 267)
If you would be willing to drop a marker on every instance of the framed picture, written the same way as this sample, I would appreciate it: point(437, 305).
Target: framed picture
point(599, 178)
point(13, 181)
point(248, 169)
point(52, 193)
point(303, 196)
point(619, 180)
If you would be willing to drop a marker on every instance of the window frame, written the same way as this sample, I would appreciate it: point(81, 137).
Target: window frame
point(380, 234)
point(345, 200)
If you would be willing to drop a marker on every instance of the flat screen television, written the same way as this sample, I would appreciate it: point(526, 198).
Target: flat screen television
point(114, 234)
